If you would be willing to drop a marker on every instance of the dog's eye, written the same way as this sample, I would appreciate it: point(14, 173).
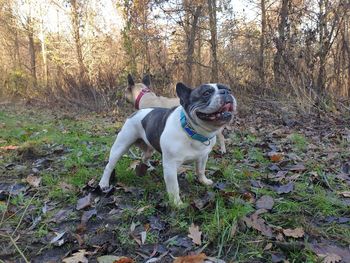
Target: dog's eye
point(207, 93)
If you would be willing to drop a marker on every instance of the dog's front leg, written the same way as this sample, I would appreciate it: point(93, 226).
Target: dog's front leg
point(170, 176)
point(222, 141)
point(200, 170)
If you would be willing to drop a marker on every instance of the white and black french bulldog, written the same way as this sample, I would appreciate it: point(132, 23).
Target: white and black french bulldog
point(142, 96)
point(182, 134)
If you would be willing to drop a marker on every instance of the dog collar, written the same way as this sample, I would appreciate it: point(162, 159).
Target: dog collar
point(191, 132)
point(137, 101)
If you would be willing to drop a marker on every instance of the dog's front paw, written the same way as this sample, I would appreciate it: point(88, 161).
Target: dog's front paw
point(175, 200)
point(178, 203)
point(104, 185)
point(206, 181)
point(223, 150)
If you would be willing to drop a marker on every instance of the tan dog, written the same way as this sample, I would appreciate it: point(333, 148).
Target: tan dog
point(141, 96)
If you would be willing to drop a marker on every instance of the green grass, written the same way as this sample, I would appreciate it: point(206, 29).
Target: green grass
point(87, 143)
point(299, 142)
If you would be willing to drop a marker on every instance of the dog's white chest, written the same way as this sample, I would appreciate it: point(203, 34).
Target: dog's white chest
point(195, 151)
point(176, 143)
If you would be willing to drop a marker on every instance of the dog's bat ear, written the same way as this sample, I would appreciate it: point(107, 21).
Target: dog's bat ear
point(146, 80)
point(183, 92)
point(130, 81)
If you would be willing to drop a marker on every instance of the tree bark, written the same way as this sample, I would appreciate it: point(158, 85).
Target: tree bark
point(199, 57)
point(78, 46)
point(262, 72)
point(147, 54)
point(191, 29)
point(44, 54)
point(281, 42)
point(213, 40)
point(31, 49)
point(322, 26)
point(17, 54)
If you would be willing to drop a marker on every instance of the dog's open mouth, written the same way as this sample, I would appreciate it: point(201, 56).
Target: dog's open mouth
point(223, 114)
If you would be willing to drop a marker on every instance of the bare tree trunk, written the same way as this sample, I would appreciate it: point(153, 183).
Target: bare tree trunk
point(346, 40)
point(191, 29)
point(31, 49)
point(44, 54)
point(78, 46)
point(262, 72)
point(213, 40)
point(322, 52)
point(281, 41)
point(145, 23)
point(199, 57)
point(17, 54)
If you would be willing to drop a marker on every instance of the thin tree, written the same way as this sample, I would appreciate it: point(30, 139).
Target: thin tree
point(212, 8)
point(281, 41)
point(262, 72)
point(192, 15)
point(75, 21)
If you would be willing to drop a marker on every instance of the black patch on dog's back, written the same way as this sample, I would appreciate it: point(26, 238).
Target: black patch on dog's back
point(153, 124)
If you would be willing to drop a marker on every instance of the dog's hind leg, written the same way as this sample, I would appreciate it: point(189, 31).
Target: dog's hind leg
point(126, 137)
point(147, 153)
point(146, 156)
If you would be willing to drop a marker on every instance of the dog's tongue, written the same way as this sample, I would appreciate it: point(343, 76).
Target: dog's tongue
point(226, 107)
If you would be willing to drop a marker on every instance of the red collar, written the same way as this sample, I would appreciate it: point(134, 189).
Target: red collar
point(143, 92)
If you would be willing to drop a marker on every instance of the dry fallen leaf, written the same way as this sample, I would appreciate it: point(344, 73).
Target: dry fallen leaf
point(279, 237)
point(66, 187)
point(326, 249)
point(345, 193)
point(142, 209)
point(107, 259)
point(33, 180)
point(77, 257)
point(265, 202)
point(297, 232)
point(257, 223)
point(297, 167)
point(133, 164)
point(124, 260)
point(214, 260)
point(284, 189)
point(275, 157)
point(9, 147)
point(143, 235)
point(84, 202)
point(137, 240)
point(268, 246)
point(87, 215)
point(191, 259)
point(195, 234)
point(133, 226)
point(329, 258)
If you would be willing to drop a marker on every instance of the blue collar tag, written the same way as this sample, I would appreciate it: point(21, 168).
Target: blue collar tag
point(191, 132)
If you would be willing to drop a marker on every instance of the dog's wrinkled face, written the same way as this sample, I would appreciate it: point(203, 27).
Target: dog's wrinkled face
point(209, 106)
point(133, 90)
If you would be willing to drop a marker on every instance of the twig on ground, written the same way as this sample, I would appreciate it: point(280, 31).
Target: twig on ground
point(24, 212)
point(18, 249)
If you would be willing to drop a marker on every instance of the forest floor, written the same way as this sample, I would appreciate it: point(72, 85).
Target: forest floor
point(282, 192)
